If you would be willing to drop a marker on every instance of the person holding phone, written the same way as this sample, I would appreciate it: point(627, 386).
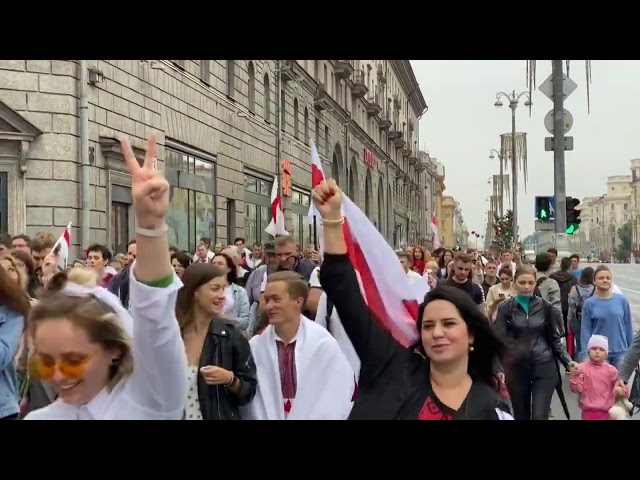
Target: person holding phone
point(499, 293)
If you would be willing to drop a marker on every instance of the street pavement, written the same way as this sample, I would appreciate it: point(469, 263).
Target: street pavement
point(627, 277)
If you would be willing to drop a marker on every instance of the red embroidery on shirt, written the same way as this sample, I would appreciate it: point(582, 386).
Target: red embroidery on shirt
point(431, 411)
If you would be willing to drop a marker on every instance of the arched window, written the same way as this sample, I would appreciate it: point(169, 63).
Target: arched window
point(267, 98)
point(251, 84)
point(296, 130)
point(306, 126)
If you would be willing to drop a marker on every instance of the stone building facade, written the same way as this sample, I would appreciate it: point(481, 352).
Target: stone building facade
point(222, 125)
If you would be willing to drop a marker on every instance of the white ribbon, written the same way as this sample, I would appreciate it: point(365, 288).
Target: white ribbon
point(104, 295)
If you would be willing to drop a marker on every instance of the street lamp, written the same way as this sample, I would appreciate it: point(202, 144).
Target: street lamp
point(514, 100)
point(491, 156)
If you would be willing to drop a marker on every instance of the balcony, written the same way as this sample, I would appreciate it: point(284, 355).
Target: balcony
point(394, 133)
point(385, 121)
point(359, 89)
point(287, 73)
point(399, 142)
point(406, 150)
point(343, 69)
point(321, 100)
point(413, 160)
point(373, 107)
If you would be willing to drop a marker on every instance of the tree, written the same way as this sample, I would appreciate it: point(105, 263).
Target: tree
point(623, 252)
point(503, 230)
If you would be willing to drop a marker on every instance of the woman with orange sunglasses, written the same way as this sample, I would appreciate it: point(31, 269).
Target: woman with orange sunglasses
point(80, 336)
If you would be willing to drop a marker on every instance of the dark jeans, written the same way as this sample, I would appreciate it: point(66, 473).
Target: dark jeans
point(531, 388)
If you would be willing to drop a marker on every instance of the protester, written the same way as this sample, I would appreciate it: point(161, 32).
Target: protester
point(302, 373)
point(80, 339)
point(221, 372)
point(448, 375)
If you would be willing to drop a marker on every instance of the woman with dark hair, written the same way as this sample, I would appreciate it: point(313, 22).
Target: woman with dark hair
point(14, 307)
point(532, 327)
point(221, 371)
point(444, 261)
point(577, 296)
point(236, 305)
point(448, 375)
point(25, 260)
point(180, 261)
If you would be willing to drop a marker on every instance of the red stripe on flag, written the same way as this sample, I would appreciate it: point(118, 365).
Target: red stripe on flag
point(317, 176)
point(274, 208)
point(372, 294)
point(67, 236)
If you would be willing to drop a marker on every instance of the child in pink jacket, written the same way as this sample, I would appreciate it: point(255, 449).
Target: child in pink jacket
point(595, 380)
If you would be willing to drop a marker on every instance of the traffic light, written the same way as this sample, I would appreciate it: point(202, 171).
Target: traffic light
point(544, 209)
point(573, 215)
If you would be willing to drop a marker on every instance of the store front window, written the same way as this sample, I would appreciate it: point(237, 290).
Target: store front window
point(257, 209)
point(301, 231)
point(191, 213)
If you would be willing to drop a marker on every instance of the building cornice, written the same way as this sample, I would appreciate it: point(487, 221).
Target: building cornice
point(410, 85)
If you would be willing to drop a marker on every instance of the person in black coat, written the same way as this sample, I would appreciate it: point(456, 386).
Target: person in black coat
point(447, 375)
point(222, 373)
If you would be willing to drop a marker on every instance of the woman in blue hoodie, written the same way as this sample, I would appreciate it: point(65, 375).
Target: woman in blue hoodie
point(14, 307)
point(608, 314)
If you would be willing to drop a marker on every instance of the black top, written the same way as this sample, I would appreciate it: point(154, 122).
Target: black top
point(470, 288)
point(226, 347)
point(394, 381)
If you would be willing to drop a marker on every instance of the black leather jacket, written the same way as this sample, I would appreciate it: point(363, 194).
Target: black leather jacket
point(534, 337)
point(226, 347)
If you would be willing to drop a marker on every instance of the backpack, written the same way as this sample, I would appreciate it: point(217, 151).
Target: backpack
point(581, 302)
point(565, 289)
point(539, 282)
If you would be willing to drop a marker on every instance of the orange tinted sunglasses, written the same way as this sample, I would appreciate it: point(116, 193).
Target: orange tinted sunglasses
point(45, 369)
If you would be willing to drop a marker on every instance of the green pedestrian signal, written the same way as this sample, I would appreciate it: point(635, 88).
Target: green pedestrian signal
point(543, 208)
point(573, 215)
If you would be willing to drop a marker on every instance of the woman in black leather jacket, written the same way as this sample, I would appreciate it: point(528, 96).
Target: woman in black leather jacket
point(221, 372)
point(531, 327)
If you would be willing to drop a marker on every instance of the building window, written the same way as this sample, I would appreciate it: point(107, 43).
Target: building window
point(192, 210)
point(267, 98)
point(306, 126)
point(318, 134)
point(327, 144)
point(296, 128)
point(283, 111)
point(257, 204)
point(119, 227)
point(251, 87)
point(231, 78)
point(204, 71)
point(301, 231)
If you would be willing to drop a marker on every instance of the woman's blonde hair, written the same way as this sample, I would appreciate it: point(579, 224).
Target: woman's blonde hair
point(85, 277)
point(95, 317)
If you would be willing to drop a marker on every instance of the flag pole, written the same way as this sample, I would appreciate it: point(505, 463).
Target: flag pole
point(315, 233)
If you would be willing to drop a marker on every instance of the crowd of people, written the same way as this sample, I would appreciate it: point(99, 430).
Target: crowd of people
point(275, 333)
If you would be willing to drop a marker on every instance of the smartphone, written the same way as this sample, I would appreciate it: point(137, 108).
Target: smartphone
point(501, 296)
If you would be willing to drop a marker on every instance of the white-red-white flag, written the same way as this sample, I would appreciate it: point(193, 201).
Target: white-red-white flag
point(435, 231)
point(389, 293)
point(276, 226)
point(64, 242)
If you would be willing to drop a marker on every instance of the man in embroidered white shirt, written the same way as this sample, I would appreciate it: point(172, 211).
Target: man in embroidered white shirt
point(305, 375)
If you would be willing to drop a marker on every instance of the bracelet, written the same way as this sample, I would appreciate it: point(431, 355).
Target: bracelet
point(160, 232)
point(233, 380)
point(339, 221)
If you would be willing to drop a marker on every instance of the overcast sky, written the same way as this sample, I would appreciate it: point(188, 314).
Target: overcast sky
point(462, 126)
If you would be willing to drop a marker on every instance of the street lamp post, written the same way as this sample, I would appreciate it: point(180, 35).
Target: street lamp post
point(514, 100)
point(491, 156)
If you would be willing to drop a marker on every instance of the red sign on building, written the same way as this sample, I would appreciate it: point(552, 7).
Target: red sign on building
point(370, 158)
point(286, 178)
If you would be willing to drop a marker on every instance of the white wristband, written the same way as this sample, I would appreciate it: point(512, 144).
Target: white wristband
point(160, 232)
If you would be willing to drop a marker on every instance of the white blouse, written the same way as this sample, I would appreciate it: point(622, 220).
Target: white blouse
point(157, 388)
point(192, 408)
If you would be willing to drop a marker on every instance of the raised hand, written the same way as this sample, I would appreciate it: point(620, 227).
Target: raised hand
point(327, 198)
point(149, 190)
